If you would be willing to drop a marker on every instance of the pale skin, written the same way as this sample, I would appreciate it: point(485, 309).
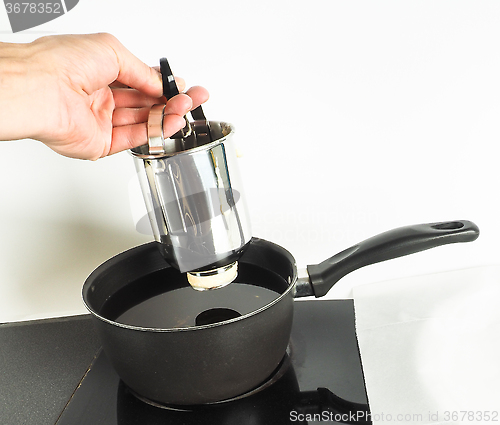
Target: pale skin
point(84, 96)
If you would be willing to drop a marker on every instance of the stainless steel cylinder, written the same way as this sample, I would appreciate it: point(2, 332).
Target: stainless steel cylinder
point(195, 203)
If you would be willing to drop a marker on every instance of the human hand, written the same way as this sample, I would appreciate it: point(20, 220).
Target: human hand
point(84, 96)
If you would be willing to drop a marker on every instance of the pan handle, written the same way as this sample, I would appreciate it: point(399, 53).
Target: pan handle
point(385, 246)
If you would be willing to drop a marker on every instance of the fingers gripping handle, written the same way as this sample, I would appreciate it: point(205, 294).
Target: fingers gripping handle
point(385, 246)
point(170, 88)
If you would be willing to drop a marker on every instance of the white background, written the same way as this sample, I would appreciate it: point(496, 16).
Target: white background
point(353, 117)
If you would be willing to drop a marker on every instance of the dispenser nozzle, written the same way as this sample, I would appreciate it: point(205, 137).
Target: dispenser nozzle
point(213, 279)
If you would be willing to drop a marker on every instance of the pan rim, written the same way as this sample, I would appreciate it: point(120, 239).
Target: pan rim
point(291, 286)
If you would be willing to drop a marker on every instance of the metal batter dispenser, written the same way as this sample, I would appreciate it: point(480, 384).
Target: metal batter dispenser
point(193, 194)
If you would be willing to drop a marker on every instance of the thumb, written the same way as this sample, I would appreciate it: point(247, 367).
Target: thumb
point(131, 70)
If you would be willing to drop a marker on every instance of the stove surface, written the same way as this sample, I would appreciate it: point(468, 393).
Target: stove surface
point(322, 384)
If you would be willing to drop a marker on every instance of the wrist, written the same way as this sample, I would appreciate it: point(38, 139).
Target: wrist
point(19, 112)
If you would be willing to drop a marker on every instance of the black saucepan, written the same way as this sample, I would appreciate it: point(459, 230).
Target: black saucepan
point(198, 348)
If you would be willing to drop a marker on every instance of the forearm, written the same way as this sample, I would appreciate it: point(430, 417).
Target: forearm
point(17, 109)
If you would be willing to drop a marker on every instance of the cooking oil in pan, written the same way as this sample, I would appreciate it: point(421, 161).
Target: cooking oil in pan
point(185, 307)
point(145, 303)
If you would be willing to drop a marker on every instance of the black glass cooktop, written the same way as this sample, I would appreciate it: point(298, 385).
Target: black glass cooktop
point(321, 381)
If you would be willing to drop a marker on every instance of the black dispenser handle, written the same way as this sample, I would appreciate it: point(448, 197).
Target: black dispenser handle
point(170, 88)
point(167, 77)
point(385, 246)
